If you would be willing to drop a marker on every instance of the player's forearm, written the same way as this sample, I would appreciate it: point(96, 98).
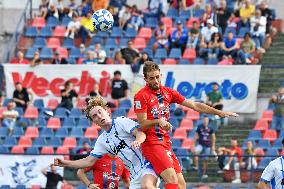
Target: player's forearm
point(81, 163)
point(147, 124)
point(203, 108)
point(83, 177)
point(140, 137)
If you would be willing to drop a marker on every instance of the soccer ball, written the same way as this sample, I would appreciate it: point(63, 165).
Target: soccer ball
point(102, 20)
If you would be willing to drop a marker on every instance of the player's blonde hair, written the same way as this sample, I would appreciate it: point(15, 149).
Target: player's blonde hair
point(149, 66)
point(93, 102)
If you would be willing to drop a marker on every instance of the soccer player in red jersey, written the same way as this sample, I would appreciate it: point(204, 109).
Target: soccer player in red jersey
point(107, 172)
point(152, 107)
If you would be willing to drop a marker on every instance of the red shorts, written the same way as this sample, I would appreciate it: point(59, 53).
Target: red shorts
point(161, 157)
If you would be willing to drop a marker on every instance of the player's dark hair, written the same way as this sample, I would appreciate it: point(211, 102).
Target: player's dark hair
point(93, 102)
point(150, 66)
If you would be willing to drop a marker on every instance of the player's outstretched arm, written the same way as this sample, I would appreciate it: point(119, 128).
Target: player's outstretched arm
point(147, 124)
point(81, 163)
point(263, 185)
point(203, 108)
point(140, 138)
point(83, 178)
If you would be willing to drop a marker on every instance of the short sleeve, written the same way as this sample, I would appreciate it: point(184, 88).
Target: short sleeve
point(99, 149)
point(140, 104)
point(60, 178)
point(125, 85)
point(177, 97)
point(127, 124)
point(268, 173)
point(88, 169)
point(125, 174)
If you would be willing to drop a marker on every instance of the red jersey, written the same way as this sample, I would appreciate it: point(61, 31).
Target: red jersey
point(157, 105)
point(238, 152)
point(107, 172)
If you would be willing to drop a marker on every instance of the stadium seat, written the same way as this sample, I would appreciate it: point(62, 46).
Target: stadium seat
point(161, 53)
point(39, 142)
point(91, 132)
point(18, 131)
point(62, 132)
point(81, 186)
point(189, 54)
point(77, 132)
point(212, 61)
point(148, 51)
point(174, 122)
point(130, 33)
point(111, 43)
point(193, 115)
point(31, 32)
point(264, 144)
point(116, 32)
point(52, 21)
point(20, 186)
point(46, 132)
point(38, 43)
point(180, 133)
point(277, 144)
point(59, 31)
point(36, 187)
point(46, 32)
point(263, 163)
point(83, 123)
point(69, 123)
point(61, 112)
point(32, 132)
point(10, 141)
point(38, 22)
point(197, 13)
point(53, 43)
point(20, 111)
point(131, 114)
point(5, 187)
point(186, 124)
point(39, 103)
point(125, 104)
point(65, 21)
point(75, 113)
point(6, 101)
point(185, 14)
point(188, 144)
point(243, 31)
point(17, 150)
point(70, 142)
point(198, 61)
point(176, 143)
point(3, 132)
point(63, 52)
point(170, 61)
point(139, 43)
point(267, 115)
point(261, 125)
point(270, 135)
point(53, 123)
point(31, 112)
point(145, 33)
point(255, 135)
point(273, 153)
point(75, 53)
point(230, 29)
point(32, 150)
point(46, 53)
point(67, 186)
point(181, 152)
point(175, 53)
point(62, 150)
point(30, 52)
point(52, 104)
point(151, 22)
point(68, 43)
point(25, 142)
point(118, 112)
point(4, 150)
point(172, 13)
point(56, 141)
point(168, 22)
point(47, 150)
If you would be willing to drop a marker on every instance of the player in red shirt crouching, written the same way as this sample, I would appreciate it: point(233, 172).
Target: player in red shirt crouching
point(152, 106)
point(107, 172)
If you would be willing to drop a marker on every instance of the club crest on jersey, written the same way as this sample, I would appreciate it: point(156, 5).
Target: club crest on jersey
point(137, 104)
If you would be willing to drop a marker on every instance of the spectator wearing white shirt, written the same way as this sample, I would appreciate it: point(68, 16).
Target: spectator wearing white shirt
point(100, 54)
point(208, 30)
point(10, 116)
point(73, 26)
point(124, 15)
point(258, 28)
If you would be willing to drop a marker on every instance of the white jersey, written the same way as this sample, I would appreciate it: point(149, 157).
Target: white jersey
point(274, 173)
point(117, 141)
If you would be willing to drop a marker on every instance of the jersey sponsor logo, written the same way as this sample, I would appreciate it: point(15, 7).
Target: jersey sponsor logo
point(137, 104)
point(122, 144)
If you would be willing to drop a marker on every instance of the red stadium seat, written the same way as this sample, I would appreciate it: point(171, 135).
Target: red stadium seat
point(31, 112)
point(167, 21)
point(190, 21)
point(259, 152)
point(193, 115)
point(139, 43)
point(282, 152)
point(66, 186)
point(17, 150)
point(52, 104)
point(131, 114)
point(47, 150)
point(25, 142)
point(62, 150)
point(203, 187)
point(186, 124)
point(170, 30)
point(91, 132)
point(180, 133)
point(38, 22)
point(54, 123)
point(36, 187)
point(59, 31)
point(63, 52)
point(270, 135)
point(145, 33)
point(81, 103)
point(32, 132)
point(2, 109)
point(189, 54)
point(96, 126)
point(267, 115)
point(261, 125)
point(188, 144)
point(70, 142)
point(170, 61)
point(53, 43)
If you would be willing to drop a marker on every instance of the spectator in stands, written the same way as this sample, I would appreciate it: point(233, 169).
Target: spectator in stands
point(83, 51)
point(36, 60)
point(214, 46)
point(94, 92)
point(119, 87)
point(99, 4)
point(73, 26)
point(193, 36)
point(86, 28)
point(161, 37)
point(135, 67)
point(208, 14)
point(53, 11)
point(247, 10)
point(58, 59)
point(278, 111)
point(179, 37)
point(90, 59)
point(10, 117)
point(247, 49)
point(130, 54)
point(67, 95)
point(85, 150)
point(20, 59)
point(233, 21)
point(52, 177)
point(258, 28)
point(156, 8)
point(136, 21)
point(84, 8)
point(267, 13)
point(124, 15)
point(223, 15)
point(207, 31)
point(187, 4)
point(234, 159)
point(249, 161)
point(100, 54)
point(230, 45)
point(22, 96)
point(214, 98)
point(205, 140)
point(118, 59)
point(43, 8)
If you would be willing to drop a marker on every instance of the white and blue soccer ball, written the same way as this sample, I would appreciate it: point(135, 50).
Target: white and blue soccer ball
point(102, 20)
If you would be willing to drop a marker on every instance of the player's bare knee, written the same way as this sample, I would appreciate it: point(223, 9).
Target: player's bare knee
point(170, 176)
point(147, 186)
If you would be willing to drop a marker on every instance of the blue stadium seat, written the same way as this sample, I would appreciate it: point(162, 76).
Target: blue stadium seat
point(277, 144)
point(77, 132)
point(83, 123)
point(281, 134)
point(174, 122)
point(46, 53)
point(118, 112)
point(182, 20)
point(181, 152)
point(39, 103)
point(197, 13)
point(176, 142)
point(10, 141)
point(69, 122)
point(39, 43)
point(151, 42)
point(173, 107)
point(151, 22)
point(149, 52)
point(273, 12)
point(20, 111)
point(82, 140)
point(4, 150)
point(244, 145)
point(102, 34)
point(46, 32)
point(212, 61)
point(273, 153)
point(172, 13)
point(5, 187)
point(18, 131)
point(52, 21)
point(175, 53)
point(242, 32)
point(185, 163)
point(75, 113)
point(161, 53)
point(39, 142)
point(61, 112)
point(230, 29)
point(23, 122)
point(130, 32)
point(184, 62)
point(116, 32)
point(263, 163)
point(75, 53)
point(31, 32)
point(32, 150)
point(125, 104)
point(192, 133)
point(20, 186)
point(71, 60)
point(123, 42)
point(65, 21)
point(41, 122)
point(62, 132)
point(255, 135)
point(81, 186)
point(264, 144)
point(96, 39)
point(6, 101)
point(198, 61)
point(111, 43)
point(3, 132)
point(46, 132)
point(157, 60)
point(68, 43)
point(55, 141)
point(185, 14)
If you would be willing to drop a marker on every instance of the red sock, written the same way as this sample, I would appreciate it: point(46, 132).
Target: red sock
point(171, 186)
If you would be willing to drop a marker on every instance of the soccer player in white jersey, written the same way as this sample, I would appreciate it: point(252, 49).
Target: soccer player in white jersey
point(121, 137)
point(273, 174)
